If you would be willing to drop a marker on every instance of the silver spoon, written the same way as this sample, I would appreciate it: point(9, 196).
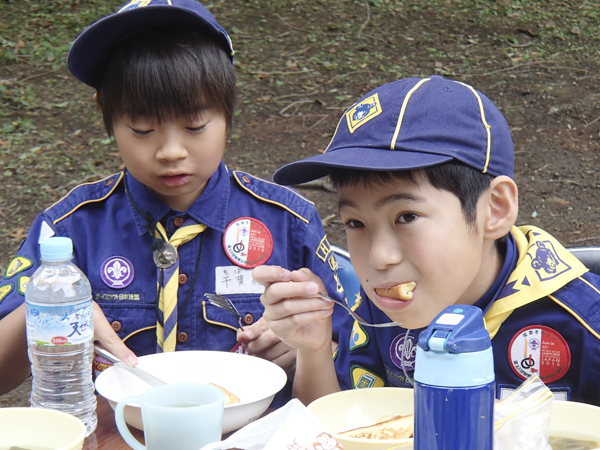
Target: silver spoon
point(141, 374)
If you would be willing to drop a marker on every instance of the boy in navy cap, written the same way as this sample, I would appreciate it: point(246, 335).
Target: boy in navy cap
point(424, 174)
point(176, 223)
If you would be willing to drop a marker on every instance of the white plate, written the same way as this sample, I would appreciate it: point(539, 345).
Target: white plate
point(254, 380)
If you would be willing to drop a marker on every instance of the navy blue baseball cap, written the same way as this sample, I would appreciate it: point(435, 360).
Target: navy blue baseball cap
point(92, 47)
point(411, 124)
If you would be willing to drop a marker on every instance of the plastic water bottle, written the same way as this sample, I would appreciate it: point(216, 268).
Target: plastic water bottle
point(60, 334)
point(454, 383)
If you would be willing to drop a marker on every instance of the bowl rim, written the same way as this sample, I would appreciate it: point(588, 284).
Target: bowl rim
point(392, 442)
point(282, 375)
point(34, 410)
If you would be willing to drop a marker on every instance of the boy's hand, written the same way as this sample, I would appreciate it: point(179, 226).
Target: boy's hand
point(110, 340)
point(293, 309)
point(260, 341)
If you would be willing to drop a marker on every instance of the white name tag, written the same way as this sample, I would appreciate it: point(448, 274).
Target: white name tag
point(236, 280)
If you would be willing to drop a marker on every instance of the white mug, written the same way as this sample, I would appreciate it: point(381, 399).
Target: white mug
point(182, 416)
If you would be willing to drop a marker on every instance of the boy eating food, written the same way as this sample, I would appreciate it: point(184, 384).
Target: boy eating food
point(424, 174)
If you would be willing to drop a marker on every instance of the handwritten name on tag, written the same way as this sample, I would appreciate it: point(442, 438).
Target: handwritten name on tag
point(236, 280)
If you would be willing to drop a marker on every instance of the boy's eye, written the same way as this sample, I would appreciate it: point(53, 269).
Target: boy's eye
point(406, 217)
point(141, 132)
point(353, 224)
point(196, 129)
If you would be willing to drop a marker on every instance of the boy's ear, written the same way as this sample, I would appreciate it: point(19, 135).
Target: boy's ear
point(503, 207)
point(96, 99)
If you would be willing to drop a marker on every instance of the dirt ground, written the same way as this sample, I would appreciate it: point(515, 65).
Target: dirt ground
point(300, 64)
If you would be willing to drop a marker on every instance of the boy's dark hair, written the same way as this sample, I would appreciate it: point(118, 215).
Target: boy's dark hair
point(455, 177)
point(167, 73)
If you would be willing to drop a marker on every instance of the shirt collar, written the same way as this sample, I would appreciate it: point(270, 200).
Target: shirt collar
point(209, 208)
point(510, 262)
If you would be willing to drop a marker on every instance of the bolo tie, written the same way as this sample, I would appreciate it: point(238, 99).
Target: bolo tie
point(166, 259)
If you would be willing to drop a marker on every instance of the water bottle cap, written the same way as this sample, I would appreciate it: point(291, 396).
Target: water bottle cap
point(457, 329)
point(56, 249)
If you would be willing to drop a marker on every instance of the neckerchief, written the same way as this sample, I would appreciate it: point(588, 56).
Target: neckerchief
point(543, 267)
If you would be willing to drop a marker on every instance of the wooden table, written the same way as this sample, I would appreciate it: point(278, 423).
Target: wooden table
point(106, 436)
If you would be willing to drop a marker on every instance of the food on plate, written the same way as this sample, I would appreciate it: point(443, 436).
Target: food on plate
point(402, 291)
point(388, 427)
point(230, 398)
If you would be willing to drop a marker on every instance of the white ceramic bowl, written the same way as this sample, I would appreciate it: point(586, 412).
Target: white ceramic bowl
point(40, 428)
point(362, 407)
point(254, 380)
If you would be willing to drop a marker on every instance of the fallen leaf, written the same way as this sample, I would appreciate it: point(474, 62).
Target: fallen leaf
point(18, 233)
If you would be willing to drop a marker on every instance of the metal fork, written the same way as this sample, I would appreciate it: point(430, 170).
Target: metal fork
point(357, 317)
point(223, 302)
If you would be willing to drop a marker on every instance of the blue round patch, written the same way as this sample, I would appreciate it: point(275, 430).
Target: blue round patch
point(117, 272)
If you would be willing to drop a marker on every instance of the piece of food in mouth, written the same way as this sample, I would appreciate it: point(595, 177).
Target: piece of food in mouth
point(396, 427)
point(229, 397)
point(402, 291)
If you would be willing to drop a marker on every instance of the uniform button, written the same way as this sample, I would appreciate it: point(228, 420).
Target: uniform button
point(182, 337)
point(245, 179)
point(116, 325)
point(109, 182)
point(182, 278)
point(248, 319)
point(178, 221)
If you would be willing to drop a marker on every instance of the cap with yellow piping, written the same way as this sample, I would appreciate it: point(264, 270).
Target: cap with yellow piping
point(410, 124)
point(91, 49)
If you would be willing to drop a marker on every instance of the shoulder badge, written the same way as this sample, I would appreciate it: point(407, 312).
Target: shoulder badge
point(22, 284)
point(17, 265)
point(363, 378)
point(5, 290)
point(359, 337)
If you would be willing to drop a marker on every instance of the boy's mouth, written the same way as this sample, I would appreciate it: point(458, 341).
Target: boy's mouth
point(402, 291)
point(175, 180)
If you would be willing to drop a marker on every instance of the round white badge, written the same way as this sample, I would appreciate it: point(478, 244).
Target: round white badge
point(539, 350)
point(248, 242)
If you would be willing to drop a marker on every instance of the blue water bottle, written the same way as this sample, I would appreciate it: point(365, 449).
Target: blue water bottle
point(454, 383)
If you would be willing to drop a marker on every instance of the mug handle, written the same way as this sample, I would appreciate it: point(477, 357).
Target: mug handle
point(122, 425)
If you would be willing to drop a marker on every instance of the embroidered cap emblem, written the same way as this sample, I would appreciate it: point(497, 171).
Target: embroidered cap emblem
point(362, 112)
point(117, 272)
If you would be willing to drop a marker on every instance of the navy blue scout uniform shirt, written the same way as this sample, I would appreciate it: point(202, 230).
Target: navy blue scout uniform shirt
point(556, 336)
point(249, 222)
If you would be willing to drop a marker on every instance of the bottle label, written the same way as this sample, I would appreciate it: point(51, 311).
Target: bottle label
point(59, 325)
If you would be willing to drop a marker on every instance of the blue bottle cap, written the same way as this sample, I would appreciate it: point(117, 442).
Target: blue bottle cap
point(56, 248)
point(457, 329)
point(455, 350)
